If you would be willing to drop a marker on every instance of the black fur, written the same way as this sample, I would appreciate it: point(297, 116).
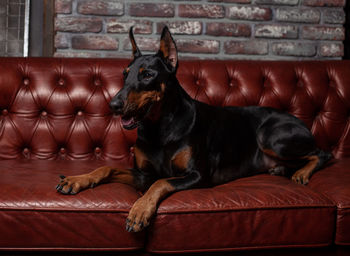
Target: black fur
point(225, 143)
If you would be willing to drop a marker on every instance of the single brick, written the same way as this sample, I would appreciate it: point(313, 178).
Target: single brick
point(332, 49)
point(249, 13)
point(323, 33)
point(63, 6)
point(233, 1)
point(298, 15)
point(182, 27)
point(198, 46)
point(276, 31)
point(330, 3)
point(280, 2)
point(61, 41)
point(334, 16)
point(101, 7)
point(144, 44)
point(201, 11)
point(251, 47)
point(298, 49)
point(228, 29)
point(94, 42)
point(71, 54)
point(151, 10)
point(78, 24)
point(116, 25)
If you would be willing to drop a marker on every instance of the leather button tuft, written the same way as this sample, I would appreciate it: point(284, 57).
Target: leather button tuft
point(98, 82)
point(61, 82)
point(26, 81)
point(44, 113)
point(5, 112)
point(62, 150)
point(80, 113)
point(26, 150)
point(97, 150)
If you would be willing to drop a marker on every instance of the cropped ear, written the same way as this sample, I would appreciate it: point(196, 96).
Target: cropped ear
point(168, 48)
point(135, 50)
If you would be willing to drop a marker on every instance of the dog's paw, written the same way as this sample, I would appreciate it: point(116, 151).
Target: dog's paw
point(140, 215)
point(301, 177)
point(72, 185)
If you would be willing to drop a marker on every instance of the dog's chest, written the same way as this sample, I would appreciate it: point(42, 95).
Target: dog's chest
point(165, 161)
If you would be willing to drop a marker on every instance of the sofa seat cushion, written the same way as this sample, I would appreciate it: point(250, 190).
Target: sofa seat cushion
point(33, 215)
point(256, 212)
point(334, 182)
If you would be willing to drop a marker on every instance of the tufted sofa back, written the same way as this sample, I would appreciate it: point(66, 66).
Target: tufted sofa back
point(58, 108)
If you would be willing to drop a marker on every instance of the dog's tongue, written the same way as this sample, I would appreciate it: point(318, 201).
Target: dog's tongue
point(128, 121)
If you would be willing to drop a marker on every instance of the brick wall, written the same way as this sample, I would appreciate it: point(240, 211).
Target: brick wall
point(241, 29)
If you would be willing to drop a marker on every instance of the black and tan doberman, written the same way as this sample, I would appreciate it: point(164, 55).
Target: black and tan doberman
point(183, 143)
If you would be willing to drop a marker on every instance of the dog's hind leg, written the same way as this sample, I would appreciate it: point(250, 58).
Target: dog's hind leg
point(292, 146)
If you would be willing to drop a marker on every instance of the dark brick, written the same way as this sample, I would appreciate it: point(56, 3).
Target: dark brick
point(334, 16)
point(249, 13)
point(101, 7)
point(298, 49)
point(151, 10)
point(280, 2)
point(228, 29)
point(298, 15)
point(233, 1)
point(182, 27)
point(78, 24)
point(144, 44)
point(330, 3)
point(61, 41)
point(94, 42)
point(255, 47)
point(198, 46)
point(116, 25)
point(201, 11)
point(323, 33)
point(332, 49)
point(276, 31)
point(63, 6)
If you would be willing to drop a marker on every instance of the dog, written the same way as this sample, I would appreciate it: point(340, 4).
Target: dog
point(183, 143)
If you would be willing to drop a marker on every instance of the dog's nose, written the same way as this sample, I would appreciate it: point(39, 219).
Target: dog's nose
point(116, 105)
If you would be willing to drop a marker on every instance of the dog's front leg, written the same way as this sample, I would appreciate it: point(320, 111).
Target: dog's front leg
point(146, 206)
point(73, 184)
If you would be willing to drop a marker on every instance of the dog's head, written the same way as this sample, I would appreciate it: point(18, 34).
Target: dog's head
point(145, 81)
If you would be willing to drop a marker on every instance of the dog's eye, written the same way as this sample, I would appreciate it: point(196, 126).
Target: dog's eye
point(147, 75)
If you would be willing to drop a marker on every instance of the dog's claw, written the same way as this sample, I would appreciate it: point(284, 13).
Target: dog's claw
point(62, 177)
point(70, 190)
point(129, 228)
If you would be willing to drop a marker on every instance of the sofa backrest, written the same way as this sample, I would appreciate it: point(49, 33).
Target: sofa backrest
point(58, 108)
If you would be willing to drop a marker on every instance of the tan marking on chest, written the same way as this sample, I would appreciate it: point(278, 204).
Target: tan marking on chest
point(141, 158)
point(182, 158)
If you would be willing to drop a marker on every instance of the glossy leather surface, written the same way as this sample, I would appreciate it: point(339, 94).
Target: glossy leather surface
point(33, 215)
point(256, 212)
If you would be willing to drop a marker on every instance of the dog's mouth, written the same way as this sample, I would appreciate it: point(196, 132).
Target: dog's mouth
point(129, 123)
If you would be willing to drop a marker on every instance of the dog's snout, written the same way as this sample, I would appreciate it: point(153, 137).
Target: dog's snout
point(116, 105)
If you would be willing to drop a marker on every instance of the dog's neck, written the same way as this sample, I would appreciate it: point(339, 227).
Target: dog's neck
point(175, 107)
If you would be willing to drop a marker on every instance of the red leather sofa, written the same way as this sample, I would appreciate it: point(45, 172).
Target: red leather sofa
point(55, 120)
